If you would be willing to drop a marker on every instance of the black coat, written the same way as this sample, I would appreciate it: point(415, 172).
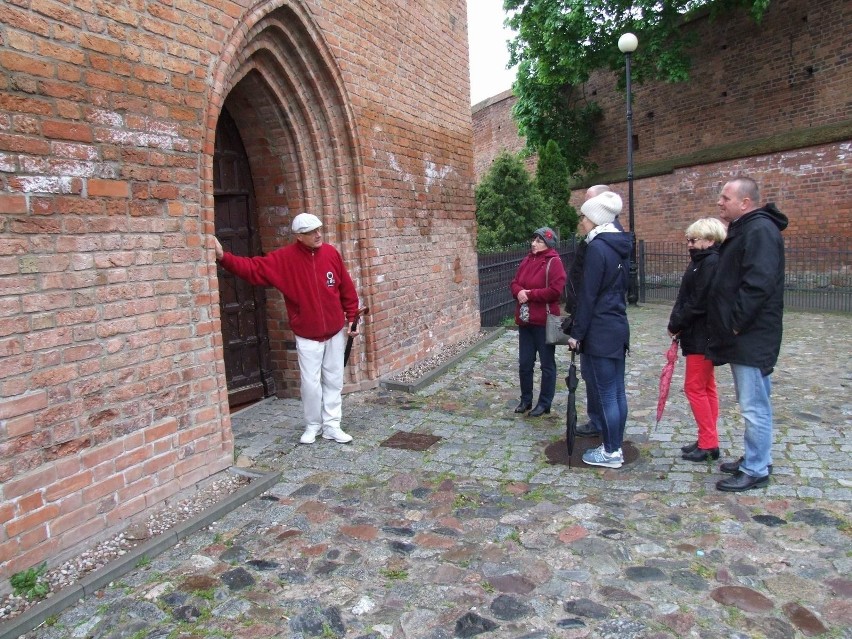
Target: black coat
point(745, 304)
point(689, 315)
point(575, 279)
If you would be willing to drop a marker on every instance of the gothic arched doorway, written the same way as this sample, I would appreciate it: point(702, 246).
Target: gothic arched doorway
point(285, 101)
point(242, 306)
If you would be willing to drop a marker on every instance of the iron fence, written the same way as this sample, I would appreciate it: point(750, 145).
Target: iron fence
point(818, 275)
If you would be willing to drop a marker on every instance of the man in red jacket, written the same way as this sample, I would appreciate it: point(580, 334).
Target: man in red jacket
point(321, 300)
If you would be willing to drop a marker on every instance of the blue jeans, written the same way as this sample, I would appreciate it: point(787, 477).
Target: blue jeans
point(604, 379)
point(531, 342)
point(753, 395)
point(593, 402)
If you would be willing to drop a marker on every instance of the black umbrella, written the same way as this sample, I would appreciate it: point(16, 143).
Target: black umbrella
point(571, 417)
point(361, 311)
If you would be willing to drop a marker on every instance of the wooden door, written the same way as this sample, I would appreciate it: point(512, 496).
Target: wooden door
point(242, 306)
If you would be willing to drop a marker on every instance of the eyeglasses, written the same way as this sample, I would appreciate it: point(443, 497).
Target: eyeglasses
point(693, 240)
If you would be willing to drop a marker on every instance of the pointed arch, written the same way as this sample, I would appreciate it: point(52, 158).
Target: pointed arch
point(280, 81)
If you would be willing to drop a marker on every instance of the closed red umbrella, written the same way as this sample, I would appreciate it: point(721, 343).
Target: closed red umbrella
point(666, 378)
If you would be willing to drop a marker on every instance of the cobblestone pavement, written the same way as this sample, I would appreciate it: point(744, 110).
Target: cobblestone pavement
point(480, 535)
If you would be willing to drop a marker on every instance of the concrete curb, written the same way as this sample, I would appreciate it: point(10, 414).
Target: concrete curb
point(87, 586)
point(432, 375)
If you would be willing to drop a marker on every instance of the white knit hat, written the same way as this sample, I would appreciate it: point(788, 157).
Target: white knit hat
point(305, 223)
point(602, 208)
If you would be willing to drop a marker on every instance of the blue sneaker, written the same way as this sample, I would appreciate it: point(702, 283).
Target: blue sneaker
point(599, 457)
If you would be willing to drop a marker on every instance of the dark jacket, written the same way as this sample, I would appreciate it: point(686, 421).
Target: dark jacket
point(600, 324)
point(747, 293)
point(689, 315)
point(531, 276)
point(575, 274)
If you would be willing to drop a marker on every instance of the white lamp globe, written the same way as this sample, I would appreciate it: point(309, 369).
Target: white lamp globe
point(628, 43)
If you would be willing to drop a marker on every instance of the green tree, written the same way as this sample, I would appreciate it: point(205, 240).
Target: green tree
point(559, 43)
point(552, 180)
point(508, 205)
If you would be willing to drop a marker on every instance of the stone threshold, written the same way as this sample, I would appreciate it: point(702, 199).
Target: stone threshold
point(435, 373)
point(94, 581)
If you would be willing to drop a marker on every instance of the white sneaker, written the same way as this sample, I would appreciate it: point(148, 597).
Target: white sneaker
point(334, 432)
point(310, 434)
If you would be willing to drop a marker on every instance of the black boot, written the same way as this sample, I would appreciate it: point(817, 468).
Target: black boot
point(523, 407)
point(587, 430)
point(734, 466)
point(538, 411)
point(740, 482)
point(689, 448)
point(701, 454)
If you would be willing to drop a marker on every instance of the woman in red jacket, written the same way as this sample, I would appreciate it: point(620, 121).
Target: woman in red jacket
point(537, 286)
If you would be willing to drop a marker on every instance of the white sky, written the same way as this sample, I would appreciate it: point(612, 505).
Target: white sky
point(488, 53)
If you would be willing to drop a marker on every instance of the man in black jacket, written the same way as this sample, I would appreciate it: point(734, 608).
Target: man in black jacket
point(744, 311)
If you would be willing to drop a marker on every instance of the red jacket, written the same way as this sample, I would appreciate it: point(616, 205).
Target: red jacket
point(318, 292)
point(531, 276)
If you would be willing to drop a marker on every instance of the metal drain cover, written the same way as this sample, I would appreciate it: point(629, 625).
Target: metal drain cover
point(410, 441)
point(557, 452)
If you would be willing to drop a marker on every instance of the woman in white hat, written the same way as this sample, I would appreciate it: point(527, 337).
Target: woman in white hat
point(600, 331)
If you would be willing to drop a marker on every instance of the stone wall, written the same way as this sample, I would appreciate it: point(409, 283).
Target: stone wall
point(112, 393)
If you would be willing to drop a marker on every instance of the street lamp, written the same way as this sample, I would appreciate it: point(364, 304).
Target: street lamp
point(627, 45)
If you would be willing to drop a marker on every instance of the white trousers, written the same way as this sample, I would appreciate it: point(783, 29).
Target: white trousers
point(321, 367)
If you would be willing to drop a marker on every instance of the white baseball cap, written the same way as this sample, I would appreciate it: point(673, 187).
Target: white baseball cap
point(305, 223)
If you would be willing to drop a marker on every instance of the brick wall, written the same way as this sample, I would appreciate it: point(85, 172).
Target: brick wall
point(495, 131)
point(770, 100)
point(112, 393)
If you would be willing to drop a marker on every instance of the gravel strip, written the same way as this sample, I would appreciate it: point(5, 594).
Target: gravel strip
point(421, 368)
point(157, 523)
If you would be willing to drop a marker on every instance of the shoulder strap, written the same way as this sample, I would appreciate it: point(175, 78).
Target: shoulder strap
point(547, 283)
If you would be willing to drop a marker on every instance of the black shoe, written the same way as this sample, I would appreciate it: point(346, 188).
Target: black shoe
point(586, 430)
point(701, 454)
point(689, 448)
point(734, 466)
point(740, 482)
point(538, 411)
point(523, 407)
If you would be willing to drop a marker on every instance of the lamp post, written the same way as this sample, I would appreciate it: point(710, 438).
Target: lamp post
point(627, 44)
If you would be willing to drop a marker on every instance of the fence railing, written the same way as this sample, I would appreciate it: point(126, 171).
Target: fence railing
point(818, 275)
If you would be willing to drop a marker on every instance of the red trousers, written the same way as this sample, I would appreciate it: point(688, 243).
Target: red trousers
point(700, 388)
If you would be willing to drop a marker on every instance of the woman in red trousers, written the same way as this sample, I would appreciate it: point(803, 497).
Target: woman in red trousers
point(688, 323)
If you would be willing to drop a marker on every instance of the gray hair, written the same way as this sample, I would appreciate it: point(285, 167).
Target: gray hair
point(596, 190)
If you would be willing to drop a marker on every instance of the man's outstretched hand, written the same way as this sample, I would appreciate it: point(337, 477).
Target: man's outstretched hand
point(218, 246)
